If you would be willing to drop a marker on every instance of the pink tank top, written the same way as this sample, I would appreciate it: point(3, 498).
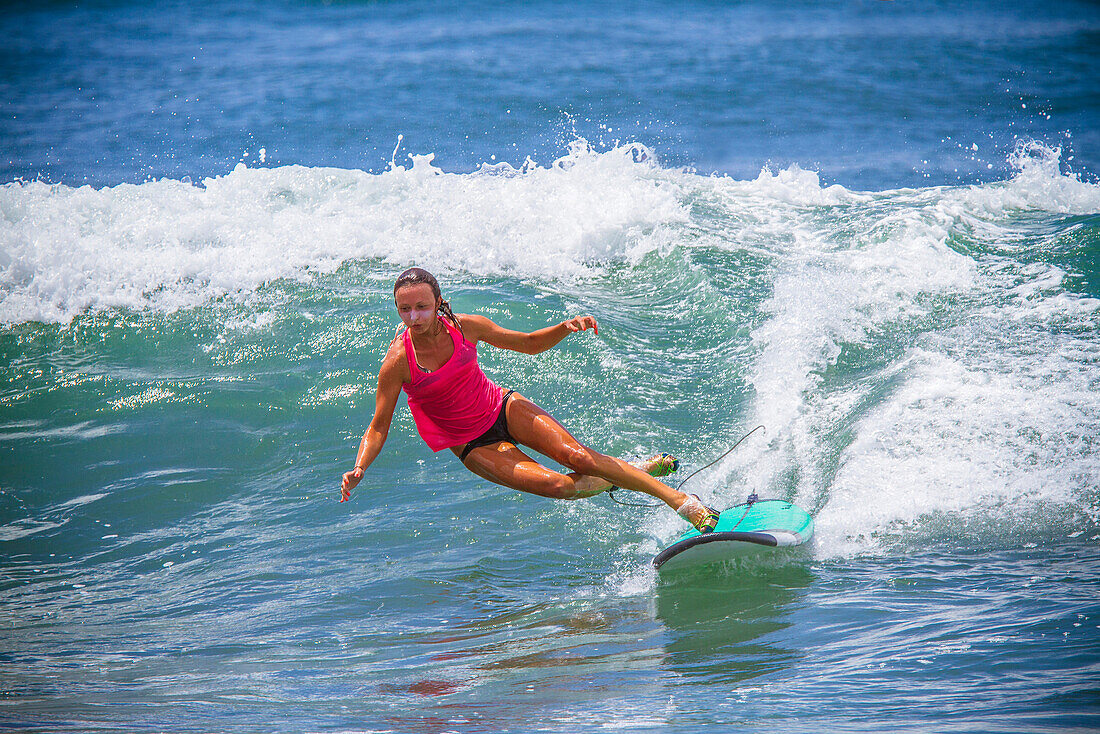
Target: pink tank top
point(455, 404)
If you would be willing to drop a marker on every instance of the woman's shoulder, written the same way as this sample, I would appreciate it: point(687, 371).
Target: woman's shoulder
point(395, 353)
point(473, 325)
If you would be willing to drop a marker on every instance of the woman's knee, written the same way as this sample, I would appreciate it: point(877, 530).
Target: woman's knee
point(581, 459)
point(559, 487)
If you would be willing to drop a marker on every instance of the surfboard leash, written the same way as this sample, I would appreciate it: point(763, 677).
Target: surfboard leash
point(611, 492)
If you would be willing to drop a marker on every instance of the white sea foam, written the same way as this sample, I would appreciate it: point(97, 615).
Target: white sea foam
point(964, 440)
point(998, 412)
point(1039, 185)
point(829, 294)
point(168, 245)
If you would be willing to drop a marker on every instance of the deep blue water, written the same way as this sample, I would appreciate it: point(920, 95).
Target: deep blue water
point(873, 228)
point(872, 94)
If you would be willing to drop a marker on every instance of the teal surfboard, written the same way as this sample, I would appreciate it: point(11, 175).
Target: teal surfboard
point(752, 528)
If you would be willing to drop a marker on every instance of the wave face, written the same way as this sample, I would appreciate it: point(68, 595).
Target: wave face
point(188, 366)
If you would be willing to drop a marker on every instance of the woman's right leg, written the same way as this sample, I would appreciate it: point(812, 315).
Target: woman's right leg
point(507, 465)
point(534, 427)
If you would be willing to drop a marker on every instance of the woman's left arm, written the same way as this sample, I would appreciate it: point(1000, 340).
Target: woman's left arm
point(479, 328)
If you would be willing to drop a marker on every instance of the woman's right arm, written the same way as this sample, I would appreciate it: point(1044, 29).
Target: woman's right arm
point(390, 378)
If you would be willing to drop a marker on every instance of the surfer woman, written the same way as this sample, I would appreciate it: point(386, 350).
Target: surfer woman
point(455, 406)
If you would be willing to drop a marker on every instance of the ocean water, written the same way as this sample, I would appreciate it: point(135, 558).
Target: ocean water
point(873, 229)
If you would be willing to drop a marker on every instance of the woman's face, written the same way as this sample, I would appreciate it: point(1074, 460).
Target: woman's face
point(416, 305)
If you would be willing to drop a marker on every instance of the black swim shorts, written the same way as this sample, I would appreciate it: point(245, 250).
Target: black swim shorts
point(497, 432)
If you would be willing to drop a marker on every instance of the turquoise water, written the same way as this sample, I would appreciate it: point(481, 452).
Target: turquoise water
point(188, 357)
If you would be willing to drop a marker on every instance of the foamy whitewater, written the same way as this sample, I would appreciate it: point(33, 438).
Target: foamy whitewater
point(896, 272)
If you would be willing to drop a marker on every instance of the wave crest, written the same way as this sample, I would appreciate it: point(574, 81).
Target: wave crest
point(167, 245)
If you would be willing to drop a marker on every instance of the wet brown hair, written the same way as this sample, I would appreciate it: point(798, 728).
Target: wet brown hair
point(419, 276)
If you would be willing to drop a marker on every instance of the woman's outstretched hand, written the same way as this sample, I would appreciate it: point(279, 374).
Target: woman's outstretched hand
point(351, 479)
point(582, 323)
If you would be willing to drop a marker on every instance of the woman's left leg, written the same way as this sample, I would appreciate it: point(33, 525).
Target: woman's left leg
point(532, 426)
